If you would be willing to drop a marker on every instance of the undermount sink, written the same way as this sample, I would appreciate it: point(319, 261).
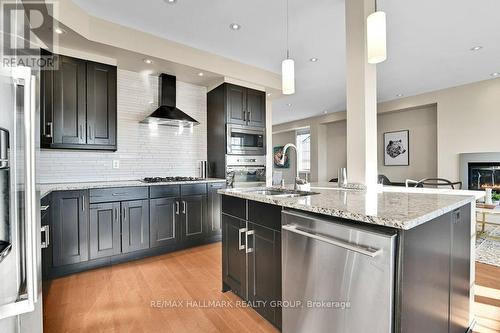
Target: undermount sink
point(275, 192)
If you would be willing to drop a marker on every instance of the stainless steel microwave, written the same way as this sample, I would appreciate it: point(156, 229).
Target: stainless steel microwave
point(246, 140)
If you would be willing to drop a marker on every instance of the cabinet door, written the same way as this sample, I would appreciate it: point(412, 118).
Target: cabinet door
point(460, 270)
point(135, 225)
point(101, 104)
point(214, 208)
point(46, 107)
point(104, 230)
point(256, 108)
point(236, 104)
point(194, 217)
point(233, 254)
point(70, 221)
point(164, 220)
point(69, 102)
point(264, 260)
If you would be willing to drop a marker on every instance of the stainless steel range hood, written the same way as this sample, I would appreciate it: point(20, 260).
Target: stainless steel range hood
point(167, 113)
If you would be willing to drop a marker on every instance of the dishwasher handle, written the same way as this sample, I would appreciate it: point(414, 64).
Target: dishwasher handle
point(345, 245)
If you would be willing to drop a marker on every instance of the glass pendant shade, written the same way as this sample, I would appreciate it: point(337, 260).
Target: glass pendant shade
point(288, 76)
point(376, 37)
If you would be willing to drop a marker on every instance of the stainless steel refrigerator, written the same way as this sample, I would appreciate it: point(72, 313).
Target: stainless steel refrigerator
point(20, 258)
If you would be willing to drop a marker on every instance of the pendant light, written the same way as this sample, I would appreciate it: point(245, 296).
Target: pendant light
point(287, 66)
point(376, 36)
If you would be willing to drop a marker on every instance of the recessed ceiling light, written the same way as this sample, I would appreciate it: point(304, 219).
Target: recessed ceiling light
point(170, 2)
point(200, 74)
point(288, 104)
point(495, 74)
point(399, 95)
point(147, 61)
point(313, 59)
point(151, 102)
point(59, 31)
point(269, 94)
point(235, 26)
point(325, 112)
point(476, 48)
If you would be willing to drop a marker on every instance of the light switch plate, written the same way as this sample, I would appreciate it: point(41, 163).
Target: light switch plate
point(116, 164)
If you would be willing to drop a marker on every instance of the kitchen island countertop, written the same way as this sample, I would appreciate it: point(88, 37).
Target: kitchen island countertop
point(387, 206)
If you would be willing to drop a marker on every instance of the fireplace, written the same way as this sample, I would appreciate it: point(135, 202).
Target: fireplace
point(484, 175)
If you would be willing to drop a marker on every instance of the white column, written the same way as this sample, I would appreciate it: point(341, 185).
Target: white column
point(361, 87)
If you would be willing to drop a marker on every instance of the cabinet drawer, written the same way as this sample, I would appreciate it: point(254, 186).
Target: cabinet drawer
point(118, 194)
point(234, 206)
point(193, 189)
point(164, 191)
point(264, 214)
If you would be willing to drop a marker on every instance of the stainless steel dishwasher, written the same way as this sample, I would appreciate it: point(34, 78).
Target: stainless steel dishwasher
point(337, 278)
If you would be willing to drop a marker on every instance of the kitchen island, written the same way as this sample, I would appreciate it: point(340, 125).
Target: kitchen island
point(351, 261)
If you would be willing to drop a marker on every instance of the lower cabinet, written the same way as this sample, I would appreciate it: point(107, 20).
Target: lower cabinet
point(135, 225)
point(234, 254)
point(70, 226)
point(105, 230)
point(164, 229)
point(263, 273)
point(251, 254)
point(98, 227)
point(214, 209)
point(194, 217)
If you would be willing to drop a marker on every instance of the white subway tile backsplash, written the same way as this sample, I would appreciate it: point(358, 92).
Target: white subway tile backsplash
point(142, 151)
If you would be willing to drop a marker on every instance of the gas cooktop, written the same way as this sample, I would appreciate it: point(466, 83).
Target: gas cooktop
point(169, 179)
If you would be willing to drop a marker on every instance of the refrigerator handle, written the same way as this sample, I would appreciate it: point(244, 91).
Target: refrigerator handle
point(28, 295)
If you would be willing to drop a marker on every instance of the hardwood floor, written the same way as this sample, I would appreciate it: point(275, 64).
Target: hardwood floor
point(487, 299)
point(118, 298)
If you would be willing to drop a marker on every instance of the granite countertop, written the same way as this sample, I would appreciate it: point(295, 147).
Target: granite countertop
point(48, 188)
point(397, 208)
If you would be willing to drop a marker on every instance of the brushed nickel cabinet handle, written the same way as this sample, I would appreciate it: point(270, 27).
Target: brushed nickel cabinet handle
point(248, 233)
point(184, 205)
point(240, 231)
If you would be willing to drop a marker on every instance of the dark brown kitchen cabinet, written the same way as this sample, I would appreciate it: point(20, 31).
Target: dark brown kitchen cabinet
point(78, 105)
point(256, 108)
point(236, 104)
point(233, 255)
point(264, 257)
point(245, 106)
point(135, 225)
point(104, 230)
point(194, 217)
point(101, 104)
point(164, 222)
point(214, 208)
point(251, 254)
point(69, 102)
point(70, 224)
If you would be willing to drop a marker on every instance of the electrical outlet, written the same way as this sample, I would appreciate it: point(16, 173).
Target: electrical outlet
point(116, 164)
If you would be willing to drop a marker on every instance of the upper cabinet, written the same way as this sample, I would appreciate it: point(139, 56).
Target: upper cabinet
point(79, 105)
point(101, 104)
point(245, 106)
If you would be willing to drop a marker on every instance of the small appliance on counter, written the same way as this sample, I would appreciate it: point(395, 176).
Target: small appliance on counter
point(245, 171)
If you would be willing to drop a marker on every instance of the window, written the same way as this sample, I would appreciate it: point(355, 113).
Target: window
point(303, 143)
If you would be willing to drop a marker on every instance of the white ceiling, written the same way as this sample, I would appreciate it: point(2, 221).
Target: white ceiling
point(428, 42)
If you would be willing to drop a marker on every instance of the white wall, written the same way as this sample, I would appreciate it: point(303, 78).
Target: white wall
point(282, 139)
point(142, 151)
point(467, 122)
point(422, 124)
point(336, 148)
